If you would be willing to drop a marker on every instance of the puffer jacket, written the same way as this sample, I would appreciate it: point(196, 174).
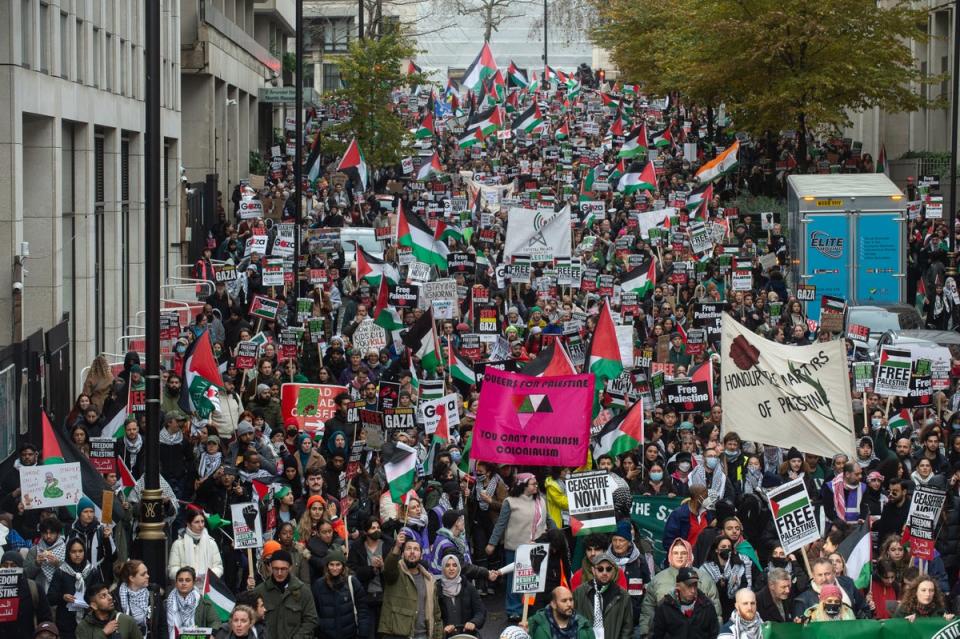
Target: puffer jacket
point(342, 608)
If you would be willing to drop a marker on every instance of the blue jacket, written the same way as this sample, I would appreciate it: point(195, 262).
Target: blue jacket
point(678, 525)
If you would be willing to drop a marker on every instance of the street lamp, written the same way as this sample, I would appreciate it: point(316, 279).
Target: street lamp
point(298, 151)
point(951, 270)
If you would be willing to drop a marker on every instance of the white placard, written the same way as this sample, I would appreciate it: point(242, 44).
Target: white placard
point(247, 531)
point(50, 486)
point(530, 568)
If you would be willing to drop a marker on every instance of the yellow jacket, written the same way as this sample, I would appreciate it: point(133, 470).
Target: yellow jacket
point(556, 501)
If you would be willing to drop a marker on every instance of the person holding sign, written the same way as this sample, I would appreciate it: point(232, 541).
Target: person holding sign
point(99, 546)
point(69, 583)
point(29, 603)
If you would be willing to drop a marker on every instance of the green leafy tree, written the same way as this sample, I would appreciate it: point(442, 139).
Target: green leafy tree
point(803, 65)
point(371, 72)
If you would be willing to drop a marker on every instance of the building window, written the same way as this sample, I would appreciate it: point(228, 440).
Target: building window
point(44, 35)
point(337, 33)
point(96, 57)
point(99, 296)
point(125, 229)
point(81, 52)
point(26, 33)
point(123, 84)
point(68, 205)
point(110, 57)
point(64, 49)
point(331, 77)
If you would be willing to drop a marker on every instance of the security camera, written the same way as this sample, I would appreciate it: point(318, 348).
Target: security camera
point(18, 286)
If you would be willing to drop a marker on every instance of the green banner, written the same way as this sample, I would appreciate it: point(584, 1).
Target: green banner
point(924, 628)
point(650, 514)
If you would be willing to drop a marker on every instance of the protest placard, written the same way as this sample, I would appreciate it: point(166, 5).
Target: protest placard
point(399, 417)
point(247, 531)
point(428, 416)
point(255, 244)
point(793, 515)
point(923, 520)
point(264, 307)
point(225, 273)
point(273, 271)
point(418, 272)
point(893, 372)
point(246, 358)
point(103, 454)
point(50, 486)
point(649, 515)
point(862, 376)
point(194, 633)
point(590, 497)
point(310, 405)
point(530, 568)
point(10, 594)
point(369, 336)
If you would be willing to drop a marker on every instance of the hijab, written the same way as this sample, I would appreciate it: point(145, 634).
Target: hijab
point(450, 586)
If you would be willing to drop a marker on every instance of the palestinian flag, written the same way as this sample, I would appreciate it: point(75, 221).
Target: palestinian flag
point(619, 170)
point(446, 232)
point(609, 101)
point(662, 138)
point(586, 184)
point(515, 76)
point(882, 161)
point(201, 379)
point(372, 268)
point(51, 453)
point(563, 132)
point(385, 315)
point(617, 127)
point(421, 338)
point(552, 360)
point(549, 75)
point(646, 180)
point(460, 368)
point(219, 596)
point(114, 427)
point(353, 165)
point(414, 233)
point(464, 464)
point(414, 379)
point(700, 199)
point(573, 88)
point(903, 419)
point(469, 138)
point(529, 120)
point(640, 280)
point(721, 164)
point(621, 434)
point(512, 103)
point(482, 67)
point(603, 354)
point(487, 122)
point(856, 552)
point(413, 68)
point(499, 85)
point(636, 143)
point(702, 374)
point(314, 163)
point(125, 477)
point(426, 127)
point(789, 500)
point(430, 169)
point(400, 467)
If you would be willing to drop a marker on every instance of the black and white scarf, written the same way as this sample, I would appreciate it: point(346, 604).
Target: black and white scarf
point(79, 580)
point(133, 448)
point(59, 550)
point(135, 603)
point(171, 439)
point(489, 489)
point(743, 629)
point(209, 463)
point(698, 477)
point(733, 572)
point(181, 610)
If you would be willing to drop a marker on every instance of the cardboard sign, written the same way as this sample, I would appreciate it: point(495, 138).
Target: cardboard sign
point(246, 358)
point(250, 209)
point(428, 415)
point(404, 296)
point(247, 531)
point(103, 454)
point(590, 497)
point(461, 263)
point(530, 568)
point(418, 272)
point(310, 405)
point(806, 292)
point(893, 372)
point(264, 307)
point(388, 395)
point(50, 486)
point(741, 281)
point(923, 520)
point(256, 244)
point(225, 273)
point(687, 396)
point(440, 290)
point(369, 336)
point(793, 515)
point(858, 334)
point(487, 319)
point(863, 376)
point(394, 418)
point(273, 271)
point(137, 398)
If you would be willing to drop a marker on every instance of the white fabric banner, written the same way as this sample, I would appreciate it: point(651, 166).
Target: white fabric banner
point(786, 395)
point(539, 235)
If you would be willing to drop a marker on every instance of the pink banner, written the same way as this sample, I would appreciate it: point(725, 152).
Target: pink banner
point(533, 421)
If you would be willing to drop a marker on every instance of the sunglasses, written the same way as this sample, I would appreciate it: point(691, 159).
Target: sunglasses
point(603, 569)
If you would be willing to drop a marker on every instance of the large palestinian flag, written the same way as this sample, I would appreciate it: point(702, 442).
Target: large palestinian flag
point(430, 169)
point(487, 122)
point(400, 467)
point(482, 67)
point(421, 338)
point(372, 268)
point(201, 379)
point(353, 165)
point(414, 233)
point(636, 143)
point(646, 180)
point(529, 120)
point(603, 354)
point(621, 434)
point(640, 280)
point(219, 596)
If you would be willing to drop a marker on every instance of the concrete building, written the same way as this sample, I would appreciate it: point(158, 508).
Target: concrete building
point(926, 129)
point(72, 170)
point(223, 68)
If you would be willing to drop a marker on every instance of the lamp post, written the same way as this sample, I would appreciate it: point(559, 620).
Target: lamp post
point(298, 153)
point(150, 532)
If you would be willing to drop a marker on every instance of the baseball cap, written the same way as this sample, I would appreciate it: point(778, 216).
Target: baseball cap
point(687, 574)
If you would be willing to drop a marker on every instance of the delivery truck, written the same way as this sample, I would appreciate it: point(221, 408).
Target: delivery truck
point(847, 238)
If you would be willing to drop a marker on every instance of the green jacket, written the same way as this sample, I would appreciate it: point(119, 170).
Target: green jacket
point(400, 601)
point(540, 628)
point(89, 627)
point(617, 614)
point(291, 613)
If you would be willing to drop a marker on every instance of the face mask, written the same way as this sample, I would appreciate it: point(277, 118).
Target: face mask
point(779, 562)
point(875, 422)
point(181, 349)
point(455, 456)
point(832, 609)
point(683, 467)
point(656, 476)
point(754, 469)
point(374, 535)
point(724, 554)
point(731, 454)
point(712, 462)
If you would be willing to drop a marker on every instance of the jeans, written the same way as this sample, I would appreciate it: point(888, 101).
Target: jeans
point(513, 604)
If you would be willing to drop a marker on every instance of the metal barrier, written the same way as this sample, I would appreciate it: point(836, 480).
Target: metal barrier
point(187, 289)
point(136, 343)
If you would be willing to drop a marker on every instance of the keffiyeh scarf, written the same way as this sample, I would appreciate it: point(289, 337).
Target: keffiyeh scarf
point(733, 572)
point(59, 550)
point(489, 489)
point(170, 439)
point(209, 463)
point(135, 603)
point(181, 610)
point(698, 477)
point(743, 629)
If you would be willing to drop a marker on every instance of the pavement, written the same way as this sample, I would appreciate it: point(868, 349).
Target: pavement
point(496, 617)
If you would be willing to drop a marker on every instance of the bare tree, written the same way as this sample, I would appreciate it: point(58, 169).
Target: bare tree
point(491, 13)
point(570, 20)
